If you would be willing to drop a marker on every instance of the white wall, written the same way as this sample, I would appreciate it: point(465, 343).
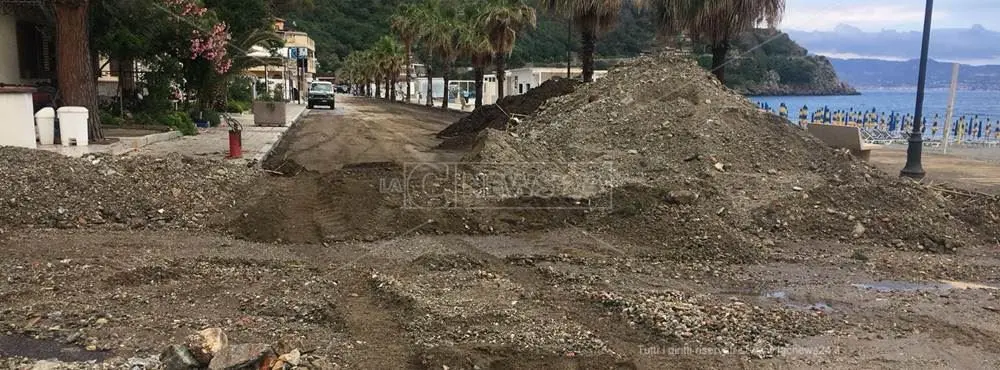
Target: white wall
point(10, 72)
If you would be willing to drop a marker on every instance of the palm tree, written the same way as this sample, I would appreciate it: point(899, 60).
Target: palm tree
point(440, 35)
point(474, 43)
point(502, 20)
point(406, 24)
point(592, 17)
point(389, 58)
point(716, 22)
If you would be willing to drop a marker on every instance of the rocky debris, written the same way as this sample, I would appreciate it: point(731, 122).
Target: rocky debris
point(45, 189)
point(243, 356)
point(497, 116)
point(207, 343)
point(483, 307)
point(733, 326)
point(771, 179)
point(178, 357)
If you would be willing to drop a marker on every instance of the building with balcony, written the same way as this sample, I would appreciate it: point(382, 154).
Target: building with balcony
point(281, 68)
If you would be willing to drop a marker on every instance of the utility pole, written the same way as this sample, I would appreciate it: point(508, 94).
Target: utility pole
point(951, 106)
point(914, 150)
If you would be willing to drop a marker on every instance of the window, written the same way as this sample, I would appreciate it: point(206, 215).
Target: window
point(520, 89)
point(529, 86)
point(34, 52)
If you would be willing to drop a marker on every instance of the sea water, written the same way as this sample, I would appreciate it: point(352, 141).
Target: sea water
point(985, 104)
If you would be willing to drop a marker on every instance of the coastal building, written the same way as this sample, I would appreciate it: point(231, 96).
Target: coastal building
point(285, 67)
point(518, 81)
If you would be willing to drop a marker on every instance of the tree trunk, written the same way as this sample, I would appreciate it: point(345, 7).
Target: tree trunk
point(587, 47)
point(501, 70)
point(378, 88)
point(127, 79)
point(393, 81)
point(430, 89)
point(409, 50)
point(74, 72)
point(445, 74)
point(480, 71)
point(719, 60)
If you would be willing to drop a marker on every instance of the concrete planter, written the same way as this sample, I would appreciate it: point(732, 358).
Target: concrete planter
point(269, 113)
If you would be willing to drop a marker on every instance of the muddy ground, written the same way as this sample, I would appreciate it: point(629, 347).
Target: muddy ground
point(330, 253)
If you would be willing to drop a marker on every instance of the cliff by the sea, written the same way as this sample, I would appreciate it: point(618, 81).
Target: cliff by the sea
point(766, 62)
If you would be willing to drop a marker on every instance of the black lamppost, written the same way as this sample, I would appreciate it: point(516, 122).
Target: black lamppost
point(913, 168)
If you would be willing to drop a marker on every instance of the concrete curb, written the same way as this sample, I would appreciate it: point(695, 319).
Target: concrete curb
point(262, 156)
point(134, 143)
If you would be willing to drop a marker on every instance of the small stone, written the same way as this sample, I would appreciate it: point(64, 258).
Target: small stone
point(239, 356)
point(47, 365)
point(797, 188)
point(633, 151)
point(721, 167)
point(221, 171)
point(177, 357)
point(772, 172)
point(859, 229)
point(91, 347)
point(682, 196)
point(101, 321)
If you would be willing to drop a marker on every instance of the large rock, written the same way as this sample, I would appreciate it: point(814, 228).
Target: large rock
point(207, 343)
point(178, 357)
point(240, 356)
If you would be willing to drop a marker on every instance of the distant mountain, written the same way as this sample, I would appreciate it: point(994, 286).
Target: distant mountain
point(975, 45)
point(768, 62)
point(873, 73)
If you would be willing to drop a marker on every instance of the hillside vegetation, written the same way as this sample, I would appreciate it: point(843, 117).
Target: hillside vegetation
point(777, 67)
point(768, 62)
point(342, 26)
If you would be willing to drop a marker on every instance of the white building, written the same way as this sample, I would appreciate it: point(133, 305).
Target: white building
point(520, 80)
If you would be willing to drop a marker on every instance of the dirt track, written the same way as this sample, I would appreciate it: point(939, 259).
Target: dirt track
point(324, 255)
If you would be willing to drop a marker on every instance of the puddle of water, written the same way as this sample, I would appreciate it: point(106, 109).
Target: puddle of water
point(21, 346)
point(776, 295)
point(904, 286)
point(783, 296)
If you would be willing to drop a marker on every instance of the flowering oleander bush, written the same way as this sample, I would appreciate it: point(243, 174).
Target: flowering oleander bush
point(207, 43)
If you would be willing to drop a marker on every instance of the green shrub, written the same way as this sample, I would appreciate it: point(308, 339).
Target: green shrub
point(180, 121)
point(213, 117)
point(108, 119)
point(237, 106)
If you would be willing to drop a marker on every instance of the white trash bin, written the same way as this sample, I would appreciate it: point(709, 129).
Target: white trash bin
point(73, 125)
point(45, 120)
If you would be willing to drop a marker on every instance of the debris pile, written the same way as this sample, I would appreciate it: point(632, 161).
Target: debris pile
point(498, 116)
point(207, 349)
point(697, 171)
point(44, 189)
point(733, 327)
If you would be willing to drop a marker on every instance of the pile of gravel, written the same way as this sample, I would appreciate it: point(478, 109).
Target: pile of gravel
point(694, 170)
point(44, 189)
point(498, 115)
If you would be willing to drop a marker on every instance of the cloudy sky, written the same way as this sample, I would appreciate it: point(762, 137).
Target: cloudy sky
point(875, 15)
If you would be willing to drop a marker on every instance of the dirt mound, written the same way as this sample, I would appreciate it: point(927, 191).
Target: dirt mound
point(694, 170)
point(44, 189)
point(497, 116)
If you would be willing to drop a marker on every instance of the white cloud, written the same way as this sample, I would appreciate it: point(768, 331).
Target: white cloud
point(876, 15)
point(813, 16)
